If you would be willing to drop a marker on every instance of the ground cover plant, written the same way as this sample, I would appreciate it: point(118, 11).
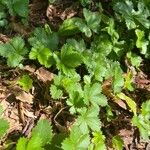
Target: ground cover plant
point(74, 75)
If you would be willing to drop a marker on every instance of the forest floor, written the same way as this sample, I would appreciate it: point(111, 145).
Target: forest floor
point(23, 110)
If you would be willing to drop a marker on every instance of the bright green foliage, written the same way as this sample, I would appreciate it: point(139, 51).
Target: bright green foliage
point(135, 60)
point(118, 80)
point(141, 42)
point(42, 54)
point(88, 119)
point(25, 82)
point(45, 36)
point(117, 143)
point(92, 94)
point(98, 141)
point(142, 121)
point(76, 140)
point(68, 27)
point(129, 81)
point(129, 101)
point(22, 144)
point(55, 92)
point(132, 17)
point(14, 51)
point(4, 125)
point(91, 23)
point(44, 131)
point(41, 135)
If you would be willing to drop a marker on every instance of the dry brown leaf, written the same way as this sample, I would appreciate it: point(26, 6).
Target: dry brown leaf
point(121, 103)
point(44, 75)
point(24, 97)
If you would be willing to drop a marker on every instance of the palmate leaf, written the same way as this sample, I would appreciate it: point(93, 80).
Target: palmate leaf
point(14, 51)
point(88, 119)
point(42, 54)
point(132, 17)
point(93, 19)
point(46, 37)
point(93, 95)
point(76, 140)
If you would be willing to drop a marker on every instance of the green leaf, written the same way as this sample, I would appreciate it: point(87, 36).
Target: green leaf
point(141, 42)
point(55, 92)
point(21, 7)
point(99, 141)
point(93, 19)
point(72, 60)
point(129, 102)
point(92, 93)
point(42, 54)
point(142, 121)
point(43, 130)
point(75, 101)
point(88, 119)
point(69, 27)
point(4, 125)
point(117, 143)
point(14, 51)
point(76, 140)
point(118, 80)
point(132, 17)
point(34, 143)
point(22, 144)
point(134, 59)
point(83, 27)
point(25, 82)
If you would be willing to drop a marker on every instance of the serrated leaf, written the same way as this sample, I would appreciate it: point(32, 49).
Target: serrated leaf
point(22, 144)
point(132, 17)
point(93, 19)
point(88, 119)
point(21, 7)
point(117, 143)
point(69, 27)
point(43, 130)
point(55, 92)
point(129, 102)
point(72, 60)
point(76, 140)
point(35, 143)
point(25, 82)
point(99, 141)
point(141, 42)
point(42, 54)
point(4, 125)
point(14, 51)
point(92, 93)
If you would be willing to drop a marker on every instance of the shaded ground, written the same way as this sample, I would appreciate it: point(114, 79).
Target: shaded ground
point(23, 109)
